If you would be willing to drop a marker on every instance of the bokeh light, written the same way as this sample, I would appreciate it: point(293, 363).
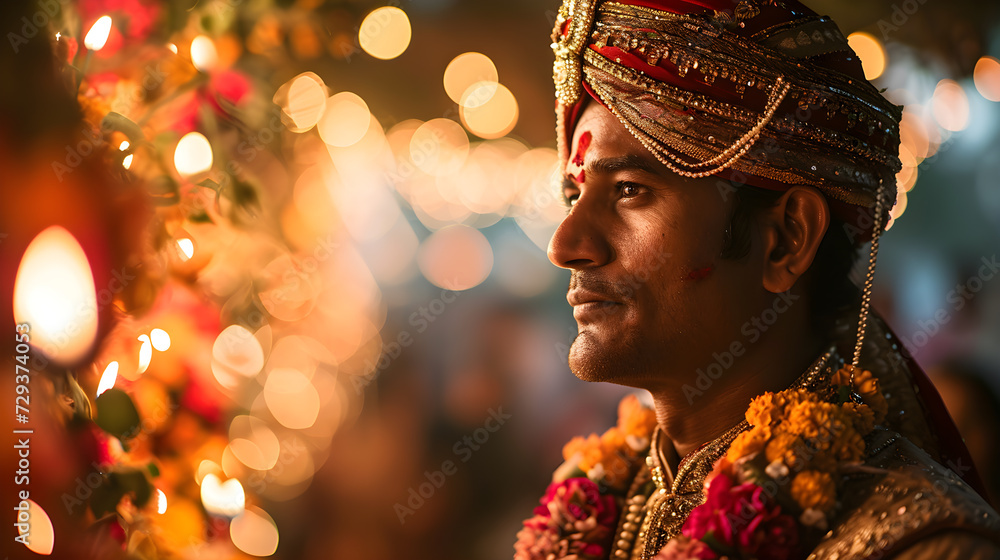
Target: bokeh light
point(305, 102)
point(291, 398)
point(193, 154)
point(254, 532)
point(870, 51)
point(385, 32)
point(345, 120)
point(236, 353)
point(950, 106)
point(41, 536)
point(987, 78)
point(465, 70)
point(54, 292)
point(456, 258)
point(222, 498)
point(439, 147)
point(204, 55)
point(490, 119)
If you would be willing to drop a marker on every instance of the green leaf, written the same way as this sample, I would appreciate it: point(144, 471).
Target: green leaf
point(210, 184)
point(121, 123)
point(153, 469)
point(117, 415)
point(115, 485)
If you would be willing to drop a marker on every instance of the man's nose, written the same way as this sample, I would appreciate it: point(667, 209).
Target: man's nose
point(580, 240)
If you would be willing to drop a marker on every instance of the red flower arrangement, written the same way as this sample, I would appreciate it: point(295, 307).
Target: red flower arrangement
point(573, 520)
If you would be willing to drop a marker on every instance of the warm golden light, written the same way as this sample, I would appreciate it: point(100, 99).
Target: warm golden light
point(254, 532)
point(36, 527)
point(870, 51)
point(456, 258)
point(253, 442)
point(987, 78)
point(98, 34)
point(385, 33)
point(439, 147)
point(306, 101)
point(204, 56)
point(145, 353)
point(950, 106)
point(193, 154)
point(492, 118)
point(127, 161)
point(291, 398)
point(161, 502)
point(186, 248)
point(345, 120)
point(222, 498)
point(236, 352)
point(465, 70)
point(54, 293)
point(108, 378)
point(160, 339)
point(124, 145)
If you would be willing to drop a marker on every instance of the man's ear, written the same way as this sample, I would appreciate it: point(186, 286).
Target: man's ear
point(791, 231)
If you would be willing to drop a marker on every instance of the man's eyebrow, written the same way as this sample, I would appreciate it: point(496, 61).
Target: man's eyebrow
point(629, 162)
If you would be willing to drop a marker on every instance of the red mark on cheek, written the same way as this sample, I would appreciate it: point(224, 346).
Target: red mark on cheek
point(700, 273)
point(581, 148)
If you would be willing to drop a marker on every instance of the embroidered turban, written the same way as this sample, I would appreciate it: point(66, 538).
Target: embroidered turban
point(760, 92)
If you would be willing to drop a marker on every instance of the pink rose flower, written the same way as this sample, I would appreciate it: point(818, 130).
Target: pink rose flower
point(683, 548)
point(743, 520)
point(574, 519)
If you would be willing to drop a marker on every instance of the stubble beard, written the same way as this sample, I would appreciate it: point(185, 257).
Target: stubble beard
point(619, 360)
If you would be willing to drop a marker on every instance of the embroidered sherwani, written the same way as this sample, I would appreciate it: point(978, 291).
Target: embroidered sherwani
point(899, 503)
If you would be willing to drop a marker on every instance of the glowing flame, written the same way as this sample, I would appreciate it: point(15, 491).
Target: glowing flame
point(145, 353)
point(186, 247)
point(161, 502)
point(108, 378)
point(98, 34)
point(54, 293)
point(127, 162)
point(160, 339)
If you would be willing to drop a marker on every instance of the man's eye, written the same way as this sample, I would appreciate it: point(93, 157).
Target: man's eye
point(571, 199)
point(629, 190)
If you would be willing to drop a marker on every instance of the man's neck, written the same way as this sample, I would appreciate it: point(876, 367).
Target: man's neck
point(690, 423)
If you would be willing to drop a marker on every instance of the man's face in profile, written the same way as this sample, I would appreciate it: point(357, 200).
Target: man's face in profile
point(652, 298)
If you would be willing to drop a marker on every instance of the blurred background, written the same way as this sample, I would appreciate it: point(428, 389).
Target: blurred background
point(290, 255)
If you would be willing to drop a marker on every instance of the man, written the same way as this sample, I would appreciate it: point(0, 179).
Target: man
point(723, 163)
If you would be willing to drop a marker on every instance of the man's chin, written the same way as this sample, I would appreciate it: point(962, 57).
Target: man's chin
point(594, 358)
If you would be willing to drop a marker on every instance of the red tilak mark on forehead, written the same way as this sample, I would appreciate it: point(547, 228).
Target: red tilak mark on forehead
point(700, 273)
point(580, 177)
point(581, 148)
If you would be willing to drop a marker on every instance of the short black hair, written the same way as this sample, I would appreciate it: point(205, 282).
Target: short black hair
point(831, 290)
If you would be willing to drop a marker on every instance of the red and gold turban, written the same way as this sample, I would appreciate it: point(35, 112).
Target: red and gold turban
point(761, 92)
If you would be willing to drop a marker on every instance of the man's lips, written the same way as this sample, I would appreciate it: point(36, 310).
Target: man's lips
point(588, 305)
